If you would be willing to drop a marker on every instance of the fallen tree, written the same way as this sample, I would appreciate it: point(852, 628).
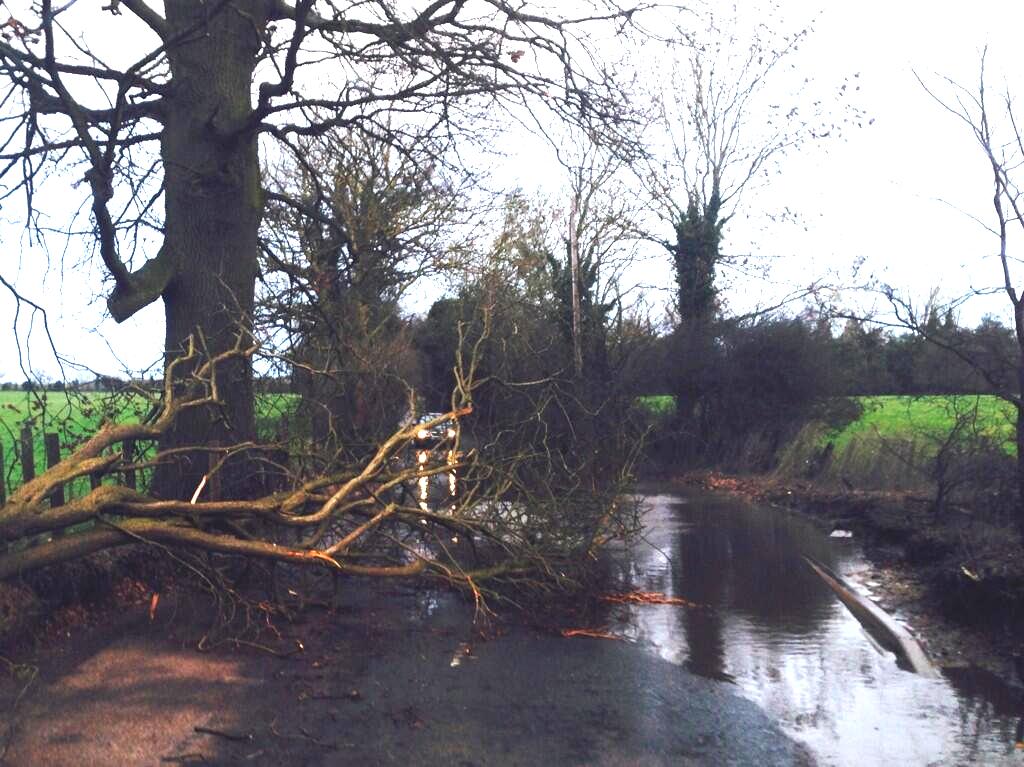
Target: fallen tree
point(358, 520)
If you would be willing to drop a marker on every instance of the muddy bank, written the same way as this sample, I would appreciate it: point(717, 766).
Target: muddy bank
point(960, 579)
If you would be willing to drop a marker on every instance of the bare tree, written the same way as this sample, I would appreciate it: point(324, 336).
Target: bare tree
point(376, 221)
point(181, 124)
point(996, 129)
point(358, 520)
point(725, 126)
point(728, 115)
point(549, 374)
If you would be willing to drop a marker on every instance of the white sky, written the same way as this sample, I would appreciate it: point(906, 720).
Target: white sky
point(875, 194)
point(884, 193)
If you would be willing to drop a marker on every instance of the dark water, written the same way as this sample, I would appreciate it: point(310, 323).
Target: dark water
point(777, 635)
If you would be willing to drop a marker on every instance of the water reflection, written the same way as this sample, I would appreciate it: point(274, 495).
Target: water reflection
point(451, 460)
point(770, 626)
point(708, 548)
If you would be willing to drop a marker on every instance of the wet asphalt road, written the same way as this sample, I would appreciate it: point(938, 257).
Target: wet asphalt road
point(392, 678)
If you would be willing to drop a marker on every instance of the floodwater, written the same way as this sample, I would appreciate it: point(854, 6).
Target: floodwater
point(772, 631)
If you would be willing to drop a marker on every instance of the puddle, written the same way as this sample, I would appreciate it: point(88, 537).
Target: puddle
point(774, 632)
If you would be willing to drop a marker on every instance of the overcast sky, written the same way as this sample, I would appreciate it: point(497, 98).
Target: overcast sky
point(896, 194)
point(899, 192)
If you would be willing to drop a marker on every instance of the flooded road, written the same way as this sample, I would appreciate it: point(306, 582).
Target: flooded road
point(770, 670)
point(775, 633)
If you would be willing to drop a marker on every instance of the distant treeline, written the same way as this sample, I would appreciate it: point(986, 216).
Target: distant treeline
point(99, 384)
point(745, 388)
point(265, 385)
point(855, 358)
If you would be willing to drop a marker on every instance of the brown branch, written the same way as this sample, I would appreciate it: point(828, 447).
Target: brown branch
point(152, 19)
point(142, 287)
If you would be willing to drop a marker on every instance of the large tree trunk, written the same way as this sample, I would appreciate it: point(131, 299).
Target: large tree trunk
point(1019, 404)
point(213, 209)
point(1020, 464)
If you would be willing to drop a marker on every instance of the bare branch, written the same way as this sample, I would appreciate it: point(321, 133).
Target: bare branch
point(153, 20)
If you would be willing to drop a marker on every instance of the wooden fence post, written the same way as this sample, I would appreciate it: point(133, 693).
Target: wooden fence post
point(129, 457)
point(3, 490)
point(52, 444)
point(28, 456)
point(3, 477)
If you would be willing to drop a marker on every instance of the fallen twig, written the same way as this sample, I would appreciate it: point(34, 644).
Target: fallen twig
point(593, 633)
point(190, 758)
point(351, 695)
point(20, 672)
point(648, 598)
point(283, 654)
point(239, 737)
point(303, 736)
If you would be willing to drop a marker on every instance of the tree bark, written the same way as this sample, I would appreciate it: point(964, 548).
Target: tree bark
point(213, 209)
point(1020, 463)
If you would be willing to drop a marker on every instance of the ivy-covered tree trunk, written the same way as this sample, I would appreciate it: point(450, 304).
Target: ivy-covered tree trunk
point(213, 209)
point(695, 255)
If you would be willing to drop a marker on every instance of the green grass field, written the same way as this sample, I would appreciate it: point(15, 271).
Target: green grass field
point(73, 417)
point(893, 443)
point(658, 405)
point(900, 417)
point(903, 417)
